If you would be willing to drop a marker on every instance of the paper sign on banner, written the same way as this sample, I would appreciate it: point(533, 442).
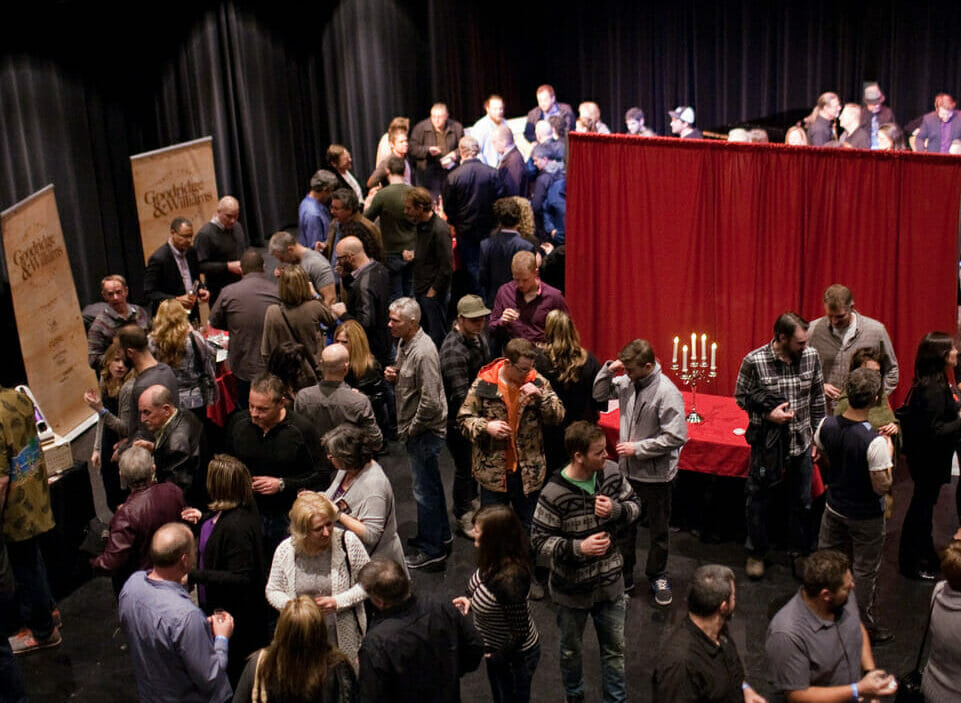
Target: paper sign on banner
point(177, 181)
point(52, 336)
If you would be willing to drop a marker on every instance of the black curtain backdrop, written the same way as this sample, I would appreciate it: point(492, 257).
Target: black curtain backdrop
point(83, 86)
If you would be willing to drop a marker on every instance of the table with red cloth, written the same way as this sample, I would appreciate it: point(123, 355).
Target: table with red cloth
point(712, 446)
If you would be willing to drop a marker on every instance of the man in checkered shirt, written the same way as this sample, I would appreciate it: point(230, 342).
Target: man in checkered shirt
point(781, 387)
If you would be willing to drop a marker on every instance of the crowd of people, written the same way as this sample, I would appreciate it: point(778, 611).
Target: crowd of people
point(421, 315)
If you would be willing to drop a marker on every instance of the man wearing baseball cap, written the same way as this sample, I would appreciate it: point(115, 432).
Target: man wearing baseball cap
point(682, 123)
point(464, 351)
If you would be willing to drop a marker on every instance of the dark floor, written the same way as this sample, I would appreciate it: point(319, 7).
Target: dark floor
point(92, 664)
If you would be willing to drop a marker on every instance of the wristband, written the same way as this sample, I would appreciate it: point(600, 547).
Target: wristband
point(103, 411)
point(854, 691)
point(745, 685)
point(282, 484)
point(221, 637)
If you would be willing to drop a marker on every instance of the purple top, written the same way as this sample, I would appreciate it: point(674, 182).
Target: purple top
point(946, 134)
point(205, 531)
point(533, 314)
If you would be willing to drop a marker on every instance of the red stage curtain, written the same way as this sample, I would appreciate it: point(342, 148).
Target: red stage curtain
point(668, 237)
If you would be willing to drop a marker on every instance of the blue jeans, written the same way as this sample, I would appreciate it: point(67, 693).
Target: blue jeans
point(510, 675)
point(433, 527)
point(469, 250)
point(33, 590)
point(514, 496)
point(609, 624)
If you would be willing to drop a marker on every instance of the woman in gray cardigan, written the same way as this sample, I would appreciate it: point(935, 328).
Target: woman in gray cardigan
point(362, 492)
point(942, 676)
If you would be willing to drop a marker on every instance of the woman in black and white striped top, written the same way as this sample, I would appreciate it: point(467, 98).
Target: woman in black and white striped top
point(497, 597)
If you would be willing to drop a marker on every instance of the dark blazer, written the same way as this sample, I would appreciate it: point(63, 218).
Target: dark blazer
point(178, 451)
point(929, 136)
point(513, 173)
point(469, 198)
point(885, 116)
point(534, 116)
point(162, 278)
point(234, 576)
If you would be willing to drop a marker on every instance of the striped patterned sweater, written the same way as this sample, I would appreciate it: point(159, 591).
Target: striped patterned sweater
point(504, 626)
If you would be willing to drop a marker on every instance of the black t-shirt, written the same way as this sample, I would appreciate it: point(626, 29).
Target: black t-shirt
point(694, 669)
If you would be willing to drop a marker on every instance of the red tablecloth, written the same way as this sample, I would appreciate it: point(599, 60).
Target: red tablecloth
point(712, 447)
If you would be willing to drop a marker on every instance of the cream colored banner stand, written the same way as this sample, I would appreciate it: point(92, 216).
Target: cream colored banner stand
point(176, 181)
point(52, 336)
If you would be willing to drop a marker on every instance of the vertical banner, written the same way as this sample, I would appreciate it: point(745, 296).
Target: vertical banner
point(177, 181)
point(52, 336)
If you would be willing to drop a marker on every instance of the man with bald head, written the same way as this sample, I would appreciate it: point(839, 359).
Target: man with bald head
point(176, 444)
point(177, 653)
point(433, 146)
point(219, 244)
point(469, 198)
point(368, 295)
point(332, 402)
point(510, 165)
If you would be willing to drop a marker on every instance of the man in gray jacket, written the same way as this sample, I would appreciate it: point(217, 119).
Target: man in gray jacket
point(653, 430)
point(421, 425)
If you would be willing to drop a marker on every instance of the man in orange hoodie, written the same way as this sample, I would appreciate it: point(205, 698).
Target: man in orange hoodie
point(503, 416)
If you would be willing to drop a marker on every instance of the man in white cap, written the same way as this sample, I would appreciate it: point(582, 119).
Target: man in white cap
point(682, 123)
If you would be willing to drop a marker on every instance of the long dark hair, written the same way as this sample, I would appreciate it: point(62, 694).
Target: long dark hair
point(932, 355)
point(503, 558)
point(297, 661)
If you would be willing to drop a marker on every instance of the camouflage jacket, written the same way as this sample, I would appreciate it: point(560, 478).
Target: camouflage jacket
point(484, 403)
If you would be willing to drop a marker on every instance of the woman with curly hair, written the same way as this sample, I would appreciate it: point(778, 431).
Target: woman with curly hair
point(300, 665)
point(571, 370)
point(301, 317)
point(174, 342)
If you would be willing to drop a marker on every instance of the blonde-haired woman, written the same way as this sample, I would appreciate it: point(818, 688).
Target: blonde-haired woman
point(300, 317)
point(173, 341)
point(571, 370)
point(322, 561)
point(300, 664)
point(366, 374)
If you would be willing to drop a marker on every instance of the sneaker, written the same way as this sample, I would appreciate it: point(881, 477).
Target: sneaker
point(662, 591)
point(465, 525)
point(629, 585)
point(754, 568)
point(57, 618)
point(419, 560)
point(24, 641)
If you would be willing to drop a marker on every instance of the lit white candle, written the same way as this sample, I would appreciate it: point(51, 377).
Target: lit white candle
point(693, 347)
point(674, 356)
point(684, 364)
point(713, 356)
point(703, 348)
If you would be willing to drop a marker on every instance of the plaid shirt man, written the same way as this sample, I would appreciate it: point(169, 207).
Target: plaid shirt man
point(801, 384)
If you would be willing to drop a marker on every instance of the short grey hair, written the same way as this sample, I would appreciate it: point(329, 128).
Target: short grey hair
point(712, 585)
point(407, 308)
point(136, 467)
point(468, 146)
point(281, 241)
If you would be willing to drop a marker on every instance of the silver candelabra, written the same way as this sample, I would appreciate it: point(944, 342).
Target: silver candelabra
point(695, 372)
